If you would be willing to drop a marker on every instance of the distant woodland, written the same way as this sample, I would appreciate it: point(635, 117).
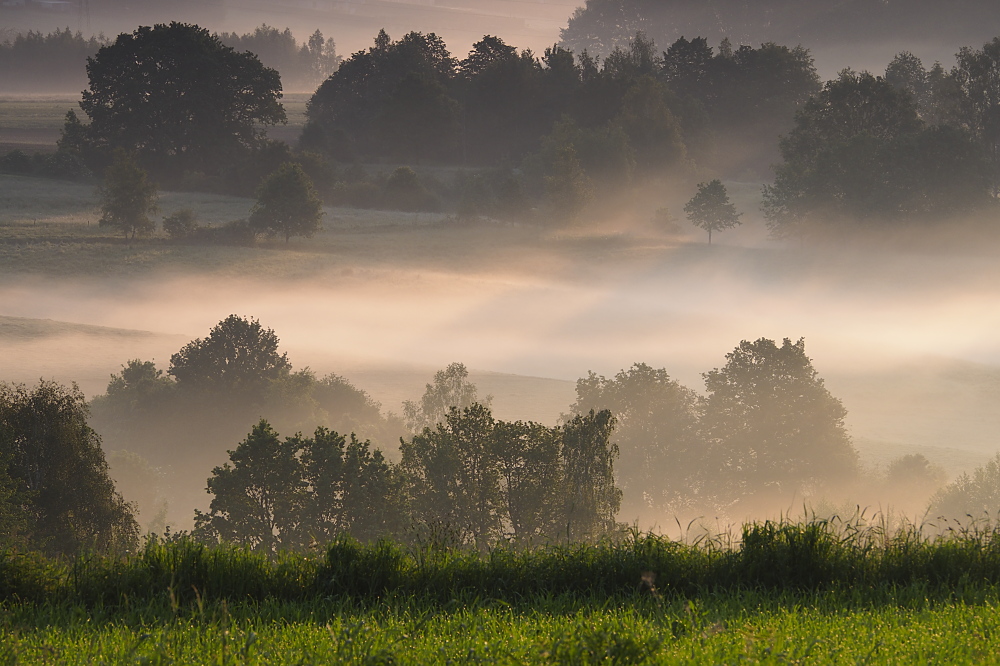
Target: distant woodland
point(543, 135)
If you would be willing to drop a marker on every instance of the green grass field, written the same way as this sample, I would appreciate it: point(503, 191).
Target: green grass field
point(722, 629)
point(795, 596)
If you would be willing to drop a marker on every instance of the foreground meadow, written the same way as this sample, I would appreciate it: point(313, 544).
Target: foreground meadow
point(709, 629)
point(815, 592)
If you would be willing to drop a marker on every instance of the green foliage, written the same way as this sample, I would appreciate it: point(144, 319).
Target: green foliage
point(976, 496)
point(55, 491)
point(179, 98)
point(711, 209)
point(488, 480)
point(288, 494)
point(181, 224)
point(771, 424)
point(657, 433)
point(128, 197)
point(256, 499)
point(287, 204)
point(853, 561)
point(238, 356)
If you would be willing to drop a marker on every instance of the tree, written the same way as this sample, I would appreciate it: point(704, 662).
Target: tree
point(52, 469)
point(859, 152)
point(451, 388)
point(590, 498)
point(454, 475)
point(976, 495)
point(349, 112)
point(258, 498)
point(287, 204)
point(351, 489)
point(772, 426)
point(529, 459)
point(180, 98)
point(127, 197)
point(657, 434)
point(238, 356)
point(711, 209)
point(978, 76)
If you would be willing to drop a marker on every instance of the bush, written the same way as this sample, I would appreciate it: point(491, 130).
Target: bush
point(16, 162)
point(181, 224)
point(404, 191)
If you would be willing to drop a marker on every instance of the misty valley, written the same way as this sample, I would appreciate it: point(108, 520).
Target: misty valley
point(663, 335)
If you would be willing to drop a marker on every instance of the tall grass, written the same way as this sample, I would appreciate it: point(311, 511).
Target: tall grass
point(770, 556)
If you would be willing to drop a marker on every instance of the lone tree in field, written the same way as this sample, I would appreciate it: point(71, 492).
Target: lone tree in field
point(287, 204)
point(128, 196)
point(711, 209)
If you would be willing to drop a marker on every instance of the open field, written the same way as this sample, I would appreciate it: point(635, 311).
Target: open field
point(905, 340)
point(34, 122)
point(717, 629)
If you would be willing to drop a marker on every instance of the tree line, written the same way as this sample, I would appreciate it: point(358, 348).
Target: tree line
point(638, 444)
point(554, 133)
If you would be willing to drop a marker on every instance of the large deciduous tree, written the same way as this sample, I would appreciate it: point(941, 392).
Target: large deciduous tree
point(287, 204)
point(772, 426)
point(657, 434)
point(859, 152)
point(239, 355)
point(179, 97)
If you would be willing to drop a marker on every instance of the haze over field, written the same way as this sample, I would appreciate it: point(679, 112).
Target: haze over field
point(535, 216)
point(905, 338)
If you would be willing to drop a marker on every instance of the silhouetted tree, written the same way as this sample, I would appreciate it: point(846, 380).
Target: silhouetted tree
point(53, 472)
point(590, 500)
point(258, 498)
point(662, 460)
point(239, 355)
point(127, 197)
point(179, 97)
point(711, 209)
point(772, 426)
point(287, 204)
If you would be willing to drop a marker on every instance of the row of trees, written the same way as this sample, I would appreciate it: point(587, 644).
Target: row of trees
point(602, 25)
point(478, 479)
point(916, 144)
point(411, 99)
point(287, 204)
point(766, 430)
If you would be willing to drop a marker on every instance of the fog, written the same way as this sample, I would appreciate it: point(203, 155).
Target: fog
point(533, 25)
point(906, 338)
